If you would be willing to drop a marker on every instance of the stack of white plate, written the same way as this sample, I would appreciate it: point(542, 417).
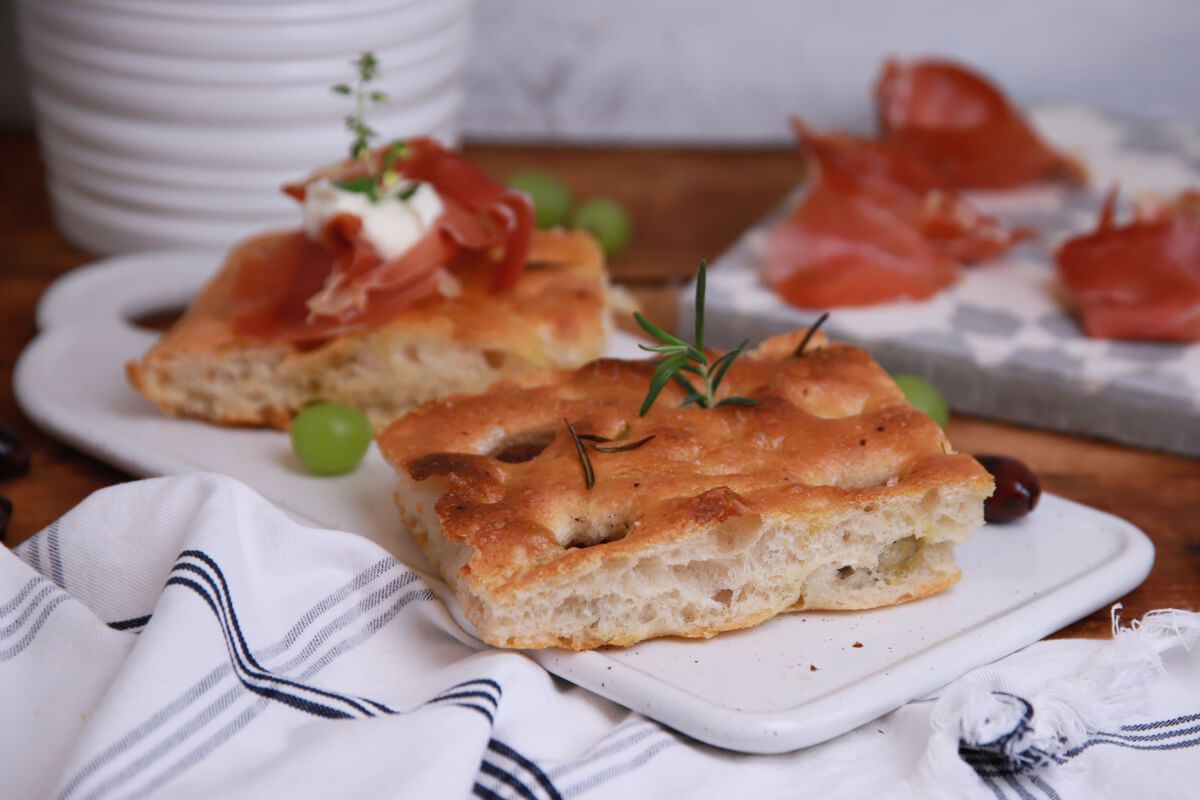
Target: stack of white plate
point(174, 122)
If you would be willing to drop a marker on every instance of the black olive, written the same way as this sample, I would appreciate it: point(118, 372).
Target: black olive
point(5, 516)
point(14, 458)
point(1017, 489)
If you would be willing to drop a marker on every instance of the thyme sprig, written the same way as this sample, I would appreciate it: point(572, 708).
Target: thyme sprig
point(678, 356)
point(367, 70)
point(379, 177)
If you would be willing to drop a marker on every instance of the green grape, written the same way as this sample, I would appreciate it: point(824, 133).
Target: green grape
point(608, 221)
point(551, 199)
point(330, 439)
point(923, 396)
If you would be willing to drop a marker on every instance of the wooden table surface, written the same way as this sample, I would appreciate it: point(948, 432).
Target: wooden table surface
point(687, 205)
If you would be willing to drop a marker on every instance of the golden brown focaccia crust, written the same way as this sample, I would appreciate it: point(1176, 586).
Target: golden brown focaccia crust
point(557, 316)
point(830, 493)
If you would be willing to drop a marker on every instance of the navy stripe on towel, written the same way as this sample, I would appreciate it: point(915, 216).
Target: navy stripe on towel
point(130, 624)
point(500, 748)
point(209, 583)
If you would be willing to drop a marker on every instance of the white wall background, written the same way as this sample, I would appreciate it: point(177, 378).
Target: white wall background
point(731, 70)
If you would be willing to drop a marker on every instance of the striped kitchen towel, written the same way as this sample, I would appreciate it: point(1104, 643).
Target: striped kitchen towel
point(181, 637)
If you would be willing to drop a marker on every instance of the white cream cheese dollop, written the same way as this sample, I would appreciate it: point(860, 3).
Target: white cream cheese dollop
point(390, 224)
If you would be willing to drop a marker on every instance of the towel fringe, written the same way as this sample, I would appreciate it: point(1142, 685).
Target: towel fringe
point(977, 719)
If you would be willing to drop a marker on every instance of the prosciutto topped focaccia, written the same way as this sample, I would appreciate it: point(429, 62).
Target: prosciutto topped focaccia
point(430, 283)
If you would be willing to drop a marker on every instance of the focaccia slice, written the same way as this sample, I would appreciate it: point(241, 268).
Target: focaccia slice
point(557, 316)
point(830, 492)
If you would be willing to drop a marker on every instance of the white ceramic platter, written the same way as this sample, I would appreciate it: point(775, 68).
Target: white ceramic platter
point(754, 691)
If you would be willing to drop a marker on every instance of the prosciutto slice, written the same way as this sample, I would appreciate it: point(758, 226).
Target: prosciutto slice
point(957, 122)
point(1140, 280)
point(289, 288)
point(875, 226)
point(845, 250)
point(913, 191)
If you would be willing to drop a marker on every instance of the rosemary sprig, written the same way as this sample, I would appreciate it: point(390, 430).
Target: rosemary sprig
point(599, 444)
point(589, 475)
point(808, 334)
point(615, 448)
point(677, 357)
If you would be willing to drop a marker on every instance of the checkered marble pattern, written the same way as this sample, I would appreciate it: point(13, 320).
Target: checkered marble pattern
point(1002, 342)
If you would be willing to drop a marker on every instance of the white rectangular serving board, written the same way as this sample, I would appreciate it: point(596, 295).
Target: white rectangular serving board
point(753, 691)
